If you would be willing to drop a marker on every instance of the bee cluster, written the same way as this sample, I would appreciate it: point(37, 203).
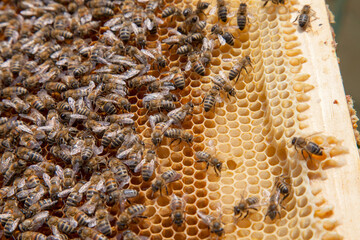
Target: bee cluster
point(72, 74)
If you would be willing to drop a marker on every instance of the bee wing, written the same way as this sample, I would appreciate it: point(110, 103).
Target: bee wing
point(188, 66)
point(46, 178)
point(213, 11)
point(100, 186)
point(85, 187)
point(39, 219)
point(221, 40)
point(77, 148)
point(88, 207)
point(65, 192)
point(92, 222)
point(9, 103)
point(6, 64)
point(5, 164)
point(21, 183)
point(139, 166)
point(112, 22)
point(123, 154)
point(206, 218)
point(148, 53)
point(14, 225)
point(149, 24)
point(10, 191)
point(175, 178)
point(152, 96)
point(59, 171)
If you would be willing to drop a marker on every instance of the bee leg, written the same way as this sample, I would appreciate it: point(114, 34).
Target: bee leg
point(167, 191)
point(207, 166)
point(237, 78)
point(247, 213)
point(302, 153)
point(296, 18)
point(285, 196)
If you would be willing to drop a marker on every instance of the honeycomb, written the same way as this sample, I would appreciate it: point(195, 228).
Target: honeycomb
point(250, 134)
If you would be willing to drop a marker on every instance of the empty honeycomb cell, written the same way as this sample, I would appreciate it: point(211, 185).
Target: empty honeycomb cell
point(201, 193)
point(192, 231)
point(243, 111)
point(200, 184)
point(188, 189)
point(188, 152)
point(307, 210)
point(187, 161)
point(187, 180)
point(167, 233)
point(190, 198)
point(155, 229)
point(167, 222)
point(222, 129)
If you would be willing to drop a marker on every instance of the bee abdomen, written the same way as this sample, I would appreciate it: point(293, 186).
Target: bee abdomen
point(222, 12)
point(241, 21)
point(303, 20)
point(199, 68)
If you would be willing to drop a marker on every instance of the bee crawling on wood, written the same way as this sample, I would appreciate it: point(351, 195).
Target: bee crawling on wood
point(304, 18)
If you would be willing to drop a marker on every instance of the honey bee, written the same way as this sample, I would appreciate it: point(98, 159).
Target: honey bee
point(90, 206)
point(165, 178)
point(121, 196)
point(105, 105)
point(274, 2)
point(179, 134)
point(48, 49)
point(213, 223)
point(245, 205)
point(29, 155)
point(29, 235)
point(45, 98)
point(211, 98)
point(307, 146)
point(10, 91)
point(28, 140)
point(223, 83)
point(86, 29)
point(206, 51)
point(159, 59)
point(170, 11)
point(305, 17)
point(120, 171)
point(282, 187)
point(61, 22)
point(11, 31)
point(79, 216)
point(130, 235)
point(34, 197)
point(238, 67)
point(156, 101)
point(102, 222)
point(196, 64)
point(19, 105)
point(65, 226)
point(35, 102)
point(61, 153)
point(140, 81)
point(185, 49)
point(242, 18)
point(89, 233)
point(102, 12)
point(178, 78)
point(210, 161)
point(134, 211)
point(84, 15)
point(222, 10)
point(13, 220)
point(273, 209)
point(224, 37)
point(55, 86)
point(34, 223)
point(147, 165)
point(177, 206)
point(75, 195)
point(93, 186)
point(157, 134)
point(177, 39)
point(121, 102)
point(136, 54)
point(110, 182)
point(16, 63)
point(178, 115)
point(32, 179)
point(82, 47)
point(83, 69)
